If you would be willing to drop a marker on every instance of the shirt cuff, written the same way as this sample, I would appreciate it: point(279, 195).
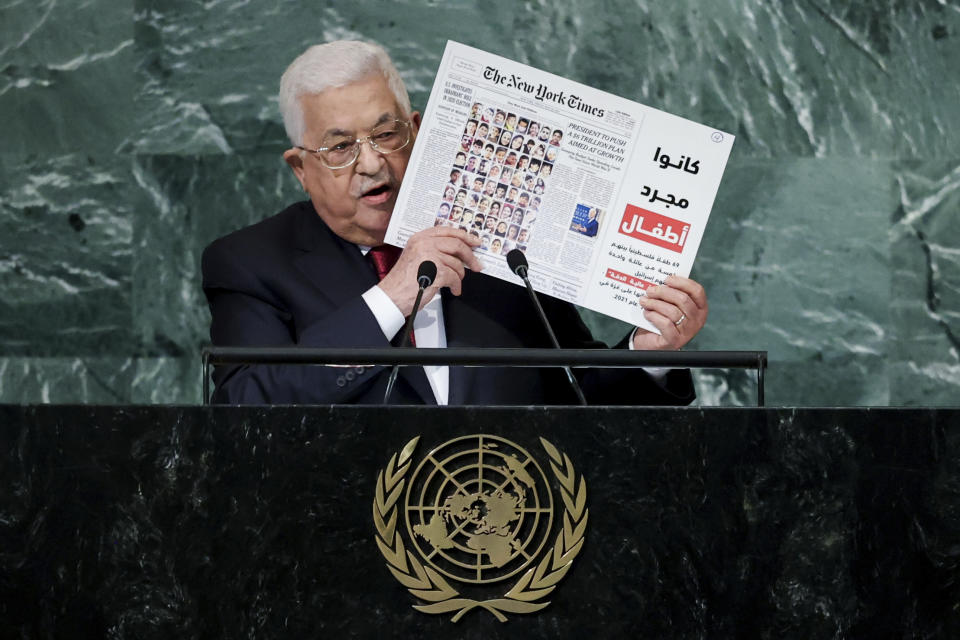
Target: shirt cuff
point(388, 316)
point(659, 374)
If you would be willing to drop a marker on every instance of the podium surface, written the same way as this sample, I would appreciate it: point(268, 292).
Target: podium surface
point(147, 522)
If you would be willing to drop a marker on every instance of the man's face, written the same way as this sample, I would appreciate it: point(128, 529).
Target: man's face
point(355, 202)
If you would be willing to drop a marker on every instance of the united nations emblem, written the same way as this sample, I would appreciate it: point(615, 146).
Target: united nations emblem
point(477, 511)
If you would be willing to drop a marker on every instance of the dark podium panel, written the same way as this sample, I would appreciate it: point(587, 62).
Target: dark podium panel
point(200, 522)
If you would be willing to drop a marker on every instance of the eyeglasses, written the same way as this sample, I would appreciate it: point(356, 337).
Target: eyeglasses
point(341, 151)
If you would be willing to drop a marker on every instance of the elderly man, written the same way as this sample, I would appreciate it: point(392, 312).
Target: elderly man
point(592, 226)
point(318, 275)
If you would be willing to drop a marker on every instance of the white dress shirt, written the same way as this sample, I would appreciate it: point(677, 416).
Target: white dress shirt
point(429, 332)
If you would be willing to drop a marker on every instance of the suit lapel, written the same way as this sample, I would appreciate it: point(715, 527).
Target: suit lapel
point(336, 267)
point(340, 272)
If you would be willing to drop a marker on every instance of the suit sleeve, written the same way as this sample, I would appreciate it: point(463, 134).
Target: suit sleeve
point(604, 386)
point(245, 313)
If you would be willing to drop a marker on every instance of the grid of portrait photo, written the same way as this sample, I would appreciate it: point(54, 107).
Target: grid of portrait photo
point(498, 177)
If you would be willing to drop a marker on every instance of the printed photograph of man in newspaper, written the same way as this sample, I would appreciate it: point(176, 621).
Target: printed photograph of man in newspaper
point(586, 220)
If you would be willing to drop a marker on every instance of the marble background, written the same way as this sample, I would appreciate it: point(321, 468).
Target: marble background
point(135, 133)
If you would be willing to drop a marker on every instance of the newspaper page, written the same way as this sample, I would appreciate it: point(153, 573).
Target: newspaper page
point(605, 197)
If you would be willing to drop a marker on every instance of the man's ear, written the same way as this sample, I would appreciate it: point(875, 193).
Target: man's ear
point(415, 119)
point(294, 158)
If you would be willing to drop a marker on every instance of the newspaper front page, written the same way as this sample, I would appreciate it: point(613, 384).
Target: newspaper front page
point(605, 197)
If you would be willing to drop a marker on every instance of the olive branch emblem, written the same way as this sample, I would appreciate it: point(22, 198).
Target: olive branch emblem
point(424, 582)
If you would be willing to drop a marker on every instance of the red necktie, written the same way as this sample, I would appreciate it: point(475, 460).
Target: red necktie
point(384, 257)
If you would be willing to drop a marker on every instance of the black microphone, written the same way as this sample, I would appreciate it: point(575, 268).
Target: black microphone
point(425, 277)
point(425, 274)
point(518, 264)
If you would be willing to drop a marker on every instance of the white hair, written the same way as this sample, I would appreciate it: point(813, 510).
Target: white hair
point(329, 66)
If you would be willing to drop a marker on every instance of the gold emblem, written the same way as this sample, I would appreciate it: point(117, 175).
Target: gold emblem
point(477, 511)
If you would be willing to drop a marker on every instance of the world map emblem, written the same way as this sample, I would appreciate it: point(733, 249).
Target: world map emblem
point(474, 512)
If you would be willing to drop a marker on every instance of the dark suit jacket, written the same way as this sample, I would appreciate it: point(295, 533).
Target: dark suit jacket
point(592, 227)
point(289, 280)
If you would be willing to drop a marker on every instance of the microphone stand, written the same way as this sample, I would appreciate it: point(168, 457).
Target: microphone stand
point(425, 275)
point(518, 263)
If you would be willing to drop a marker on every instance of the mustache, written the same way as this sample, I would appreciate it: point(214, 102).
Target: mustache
point(366, 183)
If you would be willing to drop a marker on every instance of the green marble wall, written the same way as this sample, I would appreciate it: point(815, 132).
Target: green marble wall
point(133, 134)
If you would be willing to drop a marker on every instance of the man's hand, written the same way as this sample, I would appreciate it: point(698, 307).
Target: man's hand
point(450, 249)
point(678, 308)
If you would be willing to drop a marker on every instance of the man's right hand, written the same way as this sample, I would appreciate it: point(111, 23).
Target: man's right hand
point(450, 249)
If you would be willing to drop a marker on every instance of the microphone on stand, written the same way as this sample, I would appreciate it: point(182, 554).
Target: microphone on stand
point(518, 264)
point(425, 277)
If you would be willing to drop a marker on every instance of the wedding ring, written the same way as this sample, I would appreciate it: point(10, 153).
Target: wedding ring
point(683, 317)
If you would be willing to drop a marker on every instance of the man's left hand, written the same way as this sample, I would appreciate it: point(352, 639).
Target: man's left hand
point(678, 308)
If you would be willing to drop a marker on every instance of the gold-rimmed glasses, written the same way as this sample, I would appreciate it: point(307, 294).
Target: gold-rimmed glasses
point(340, 151)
